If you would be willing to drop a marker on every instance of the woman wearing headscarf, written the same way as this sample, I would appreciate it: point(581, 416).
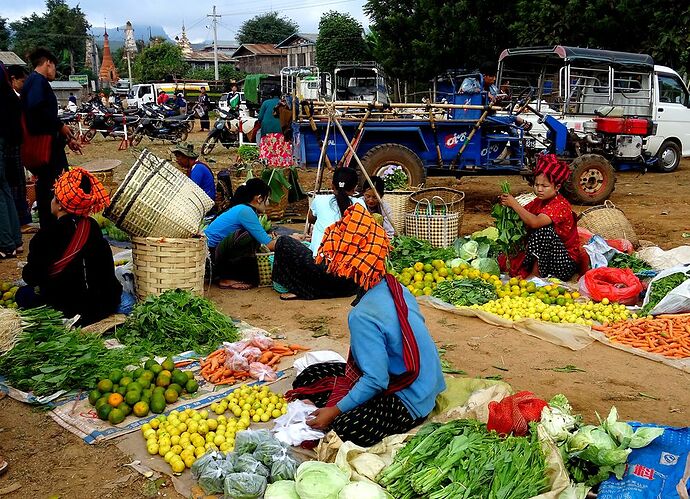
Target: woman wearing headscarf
point(552, 245)
point(393, 372)
point(70, 265)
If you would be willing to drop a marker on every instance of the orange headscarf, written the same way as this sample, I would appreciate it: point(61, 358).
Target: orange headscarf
point(69, 192)
point(355, 247)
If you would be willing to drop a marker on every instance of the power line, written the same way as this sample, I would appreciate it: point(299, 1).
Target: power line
point(278, 8)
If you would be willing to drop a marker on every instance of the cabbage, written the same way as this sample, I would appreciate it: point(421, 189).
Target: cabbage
point(469, 250)
point(557, 423)
point(489, 233)
point(596, 446)
point(625, 436)
point(455, 262)
point(282, 489)
point(362, 490)
point(488, 265)
point(483, 251)
point(644, 436)
point(317, 480)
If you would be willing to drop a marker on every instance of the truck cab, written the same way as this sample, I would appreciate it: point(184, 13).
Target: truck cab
point(585, 87)
point(360, 81)
point(146, 93)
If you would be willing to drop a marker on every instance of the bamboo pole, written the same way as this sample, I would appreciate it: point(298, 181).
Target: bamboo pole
point(319, 173)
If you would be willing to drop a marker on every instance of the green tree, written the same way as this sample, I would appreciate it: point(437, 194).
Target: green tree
point(61, 29)
point(4, 34)
point(341, 37)
point(160, 61)
point(266, 28)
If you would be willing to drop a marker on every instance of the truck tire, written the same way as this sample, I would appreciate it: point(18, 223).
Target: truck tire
point(378, 158)
point(669, 155)
point(591, 181)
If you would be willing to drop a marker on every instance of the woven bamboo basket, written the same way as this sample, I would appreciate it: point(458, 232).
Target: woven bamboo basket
point(277, 211)
point(264, 260)
point(168, 263)
point(400, 203)
point(443, 201)
point(609, 222)
point(157, 200)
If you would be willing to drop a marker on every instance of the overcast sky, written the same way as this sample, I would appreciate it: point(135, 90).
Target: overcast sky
point(172, 13)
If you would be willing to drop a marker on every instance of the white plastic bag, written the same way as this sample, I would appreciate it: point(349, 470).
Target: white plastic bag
point(678, 300)
point(599, 252)
point(292, 428)
point(318, 357)
point(662, 260)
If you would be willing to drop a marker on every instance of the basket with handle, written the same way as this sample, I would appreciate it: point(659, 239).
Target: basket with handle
point(433, 222)
point(264, 261)
point(162, 263)
point(609, 222)
point(400, 203)
point(157, 200)
point(453, 200)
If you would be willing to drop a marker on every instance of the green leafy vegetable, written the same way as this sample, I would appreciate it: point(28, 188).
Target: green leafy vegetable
point(409, 250)
point(511, 228)
point(660, 288)
point(465, 292)
point(625, 261)
point(175, 322)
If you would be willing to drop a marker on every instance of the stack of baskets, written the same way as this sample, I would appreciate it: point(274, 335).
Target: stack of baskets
point(435, 215)
point(609, 222)
point(162, 210)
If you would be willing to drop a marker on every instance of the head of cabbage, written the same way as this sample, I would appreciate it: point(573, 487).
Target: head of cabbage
point(360, 490)
point(317, 480)
point(282, 489)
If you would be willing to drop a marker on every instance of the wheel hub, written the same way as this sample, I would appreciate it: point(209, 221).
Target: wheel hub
point(668, 157)
point(591, 181)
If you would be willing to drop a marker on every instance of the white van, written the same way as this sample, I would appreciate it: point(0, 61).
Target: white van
point(145, 93)
point(575, 84)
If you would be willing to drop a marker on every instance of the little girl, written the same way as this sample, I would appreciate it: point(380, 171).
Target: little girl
point(552, 243)
point(374, 206)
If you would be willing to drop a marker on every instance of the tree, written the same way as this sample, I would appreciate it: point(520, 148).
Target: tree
point(266, 28)
point(340, 37)
point(4, 34)
point(160, 61)
point(61, 29)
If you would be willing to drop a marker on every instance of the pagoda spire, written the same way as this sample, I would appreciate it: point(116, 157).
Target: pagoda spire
point(184, 44)
point(108, 73)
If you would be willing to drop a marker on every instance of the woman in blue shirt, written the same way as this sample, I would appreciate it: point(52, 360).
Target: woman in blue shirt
point(236, 234)
point(274, 149)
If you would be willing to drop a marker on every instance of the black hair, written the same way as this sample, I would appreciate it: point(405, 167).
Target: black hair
point(247, 191)
point(16, 71)
point(40, 56)
point(344, 180)
point(488, 68)
point(378, 185)
point(85, 184)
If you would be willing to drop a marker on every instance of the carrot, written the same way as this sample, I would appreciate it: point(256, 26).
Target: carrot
point(216, 353)
point(665, 335)
point(266, 356)
point(227, 381)
point(183, 363)
point(297, 347)
point(274, 360)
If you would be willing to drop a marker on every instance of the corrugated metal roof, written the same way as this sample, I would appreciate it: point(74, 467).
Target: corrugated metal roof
point(207, 57)
point(257, 49)
point(65, 85)
point(10, 58)
point(308, 37)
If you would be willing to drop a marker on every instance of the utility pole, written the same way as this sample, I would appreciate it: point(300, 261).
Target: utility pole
point(214, 18)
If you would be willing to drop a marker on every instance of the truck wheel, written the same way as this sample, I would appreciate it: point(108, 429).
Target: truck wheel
point(208, 145)
point(591, 181)
point(378, 158)
point(669, 155)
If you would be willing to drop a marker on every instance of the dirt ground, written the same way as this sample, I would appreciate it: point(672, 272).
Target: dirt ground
point(47, 461)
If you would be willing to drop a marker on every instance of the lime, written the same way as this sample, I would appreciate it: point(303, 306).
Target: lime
point(178, 377)
point(190, 374)
point(192, 386)
point(94, 395)
point(168, 364)
point(105, 385)
point(115, 376)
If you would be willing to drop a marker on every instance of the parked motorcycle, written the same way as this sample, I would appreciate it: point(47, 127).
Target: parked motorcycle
point(108, 122)
point(226, 130)
point(154, 125)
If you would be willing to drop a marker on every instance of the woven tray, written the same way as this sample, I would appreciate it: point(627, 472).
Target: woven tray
point(160, 264)
point(609, 222)
point(157, 200)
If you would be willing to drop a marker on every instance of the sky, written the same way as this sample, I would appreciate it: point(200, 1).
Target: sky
point(172, 13)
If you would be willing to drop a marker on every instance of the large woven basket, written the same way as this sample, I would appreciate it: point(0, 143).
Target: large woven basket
point(400, 203)
point(168, 263)
point(453, 201)
point(157, 200)
point(433, 221)
point(609, 222)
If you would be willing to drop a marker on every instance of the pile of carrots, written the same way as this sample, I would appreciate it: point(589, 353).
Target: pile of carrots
point(214, 370)
point(667, 335)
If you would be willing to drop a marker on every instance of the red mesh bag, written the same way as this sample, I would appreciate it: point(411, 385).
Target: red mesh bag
point(514, 413)
point(618, 285)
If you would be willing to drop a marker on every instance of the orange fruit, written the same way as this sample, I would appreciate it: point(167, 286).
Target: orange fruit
point(115, 399)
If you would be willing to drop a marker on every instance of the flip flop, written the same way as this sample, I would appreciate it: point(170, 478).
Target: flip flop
point(3, 465)
point(288, 296)
point(7, 256)
point(229, 284)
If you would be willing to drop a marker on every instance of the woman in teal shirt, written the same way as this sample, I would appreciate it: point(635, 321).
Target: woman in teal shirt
point(236, 234)
point(273, 148)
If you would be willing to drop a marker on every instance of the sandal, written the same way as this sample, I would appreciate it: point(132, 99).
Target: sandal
point(230, 284)
point(19, 250)
point(3, 465)
point(288, 296)
point(7, 256)
point(28, 229)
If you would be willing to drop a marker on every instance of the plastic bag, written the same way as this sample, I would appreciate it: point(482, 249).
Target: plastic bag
point(207, 471)
point(677, 301)
point(262, 372)
point(251, 353)
point(267, 450)
point(236, 361)
point(599, 252)
point(244, 486)
point(262, 342)
point(247, 441)
point(236, 346)
point(283, 467)
point(618, 285)
point(246, 463)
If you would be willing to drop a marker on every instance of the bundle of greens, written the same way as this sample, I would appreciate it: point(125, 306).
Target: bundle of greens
point(625, 261)
point(409, 250)
point(511, 228)
point(465, 292)
point(661, 287)
point(462, 459)
point(175, 322)
point(47, 357)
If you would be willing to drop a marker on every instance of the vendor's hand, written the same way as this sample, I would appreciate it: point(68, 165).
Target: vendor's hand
point(298, 236)
point(322, 418)
point(74, 145)
point(508, 200)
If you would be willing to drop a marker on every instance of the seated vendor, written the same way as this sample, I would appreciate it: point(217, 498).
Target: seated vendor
point(199, 172)
point(236, 234)
point(70, 265)
point(375, 207)
point(294, 268)
point(393, 373)
point(552, 242)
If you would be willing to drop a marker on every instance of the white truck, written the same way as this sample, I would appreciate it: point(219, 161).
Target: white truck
point(582, 87)
point(145, 93)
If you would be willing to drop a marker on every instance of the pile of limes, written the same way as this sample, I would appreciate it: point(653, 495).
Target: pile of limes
point(551, 294)
point(251, 403)
point(517, 308)
point(7, 292)
point(147, 388)
point(422, 278)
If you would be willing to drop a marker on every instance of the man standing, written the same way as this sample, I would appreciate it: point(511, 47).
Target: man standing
point(40, 108)
point(199, 172)
point(203, 103)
